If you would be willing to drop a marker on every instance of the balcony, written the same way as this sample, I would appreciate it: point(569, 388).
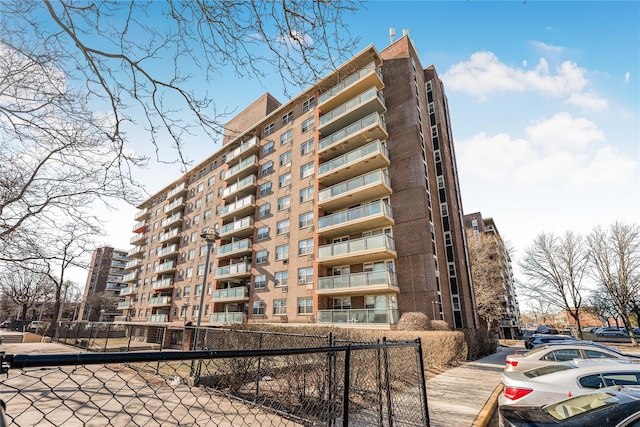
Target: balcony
point(165, 267)
point(245, 167)
point(240, 228)
point(139, 227)
point(242, 188)
point(170, 236)
point(177, 190)
point(362, 317)
point(142, 214)
point(240, 293)
point(358, 284)
point(171, 250)
point(356, 220)
point(233, 271)
point(368, 102)
point(159, 285)
point(124, 305)
point(235, 249)
point(243, 207)
point(131, 277)
point(159, 301)
point(356, 83)
point(372, 185)
point(251, 146)
point(220, 318)
point(367, 158)
point(174, 206)
point(138, 239)
point(366, 249)
point(136, 252)
point(158, 318)
point(128, 291)
point(132, 264)
point(172, 220)
point(353, 136)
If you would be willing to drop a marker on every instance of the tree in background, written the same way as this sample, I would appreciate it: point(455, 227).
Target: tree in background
point(600, 304)
point(555, 268)
point(615, 256)
point(25, 287)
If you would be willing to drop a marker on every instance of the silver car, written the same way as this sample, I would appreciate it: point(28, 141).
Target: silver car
point(552, 383)
point(560, 352)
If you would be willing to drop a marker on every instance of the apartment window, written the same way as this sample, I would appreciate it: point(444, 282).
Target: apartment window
point(194, 236)
point(203, 251)
point(282, 227)
point(308, 104)
point(282, 278)
point(263, 233)
point(306, 147)
point(307, 125)
point(306, 194)
point(305, 247)
point(434, 131)
point(207, 214)
point(200, 187)
point(282, 252)
point(284, 203)
point(306, 170)
point(284, 180)
point(268, 148)
point(306, 220)
point(198, 291)
point(213, 165)
point(305, 306)
point(217, 210)
point(187, 223)
point(192, 254)
point(201, 268)
point(286, 138)
point(285, 159)
point(342, 303)
point(287, 118)
point(209, 197)
point(260, 281)
point(185, 240)
point(265, 189)
point(440, 181)
point(258, 308)
point(305, 275)
point(196, 219)
point(279, 307)
point(189, 274)
point(443, 209)
point(264, 210)
point(436, 155)
point(267, 168)
point(268, 130)
point(261, 257)
point(219, 191)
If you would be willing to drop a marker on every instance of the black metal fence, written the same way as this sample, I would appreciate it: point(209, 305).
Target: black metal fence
point(365, 384)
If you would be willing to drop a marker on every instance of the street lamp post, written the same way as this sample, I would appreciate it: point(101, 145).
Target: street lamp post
point(210, 237)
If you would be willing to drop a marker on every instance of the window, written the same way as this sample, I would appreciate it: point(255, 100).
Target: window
point(260, 281)
point(284, 180)
point(305, 306)
point(264, 210)
point(268, 130)
point(196, 219)
point(593, 354)
point(306, 170)
point(306, 220)
point(261, 257)
point(200, 187)
point(198, 203)
point(207, 214)
point(563, 355)
point(284, 202)
point(263, 233)
point(285, 159)
point(342, 303)
point(187, 292)
point(286, 138)
point(282, 278)
point(305, 275)
point(201, 269)
point(268, 148)
point(211, 180)
point(267, 168)
point(308, 104)
point(258, 308)
point(198, 291)
point(305, 247)
point(282, 227)
point(282, 252)
point(194, 236)
point(192, 254)
point(279, 307)
point(203, 250)
point(306, 194)
point(306, 147)
point(209, 197)
point(265, 189)
point(287, 118)
point(307, 125)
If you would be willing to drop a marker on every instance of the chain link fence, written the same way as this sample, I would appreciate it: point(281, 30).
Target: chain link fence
point(342, 384)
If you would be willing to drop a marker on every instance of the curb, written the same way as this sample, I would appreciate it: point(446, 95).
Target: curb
point(483, 418)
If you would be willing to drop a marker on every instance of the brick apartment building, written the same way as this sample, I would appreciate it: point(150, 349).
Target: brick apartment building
point(101, 295)
point(338, 207)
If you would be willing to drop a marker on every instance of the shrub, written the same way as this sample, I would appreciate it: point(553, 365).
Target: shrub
point(480, 342)
point(439, 325)
point(414, 321)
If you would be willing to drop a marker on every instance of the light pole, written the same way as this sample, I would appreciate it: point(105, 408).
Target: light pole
point(210, 237)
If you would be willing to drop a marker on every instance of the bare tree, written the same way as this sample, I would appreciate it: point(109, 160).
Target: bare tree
point(615, 256)
point(555, 268)
point(24, 287)
point(600, 304)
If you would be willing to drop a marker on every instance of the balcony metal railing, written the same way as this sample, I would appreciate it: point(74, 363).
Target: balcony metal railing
point(351, 104)
point(158, 318)
point(168, 235)
point(160, 300)
point(243, 183)
point(237, 317)
point(177, 189)
point(384, 316)
point(348, 247)
point(349, 81)
point(172, 219)
point(353, 157)
point(236, 225)
point(171, 206)
point(354, 214)
point(161, 284)
point(357, 280)
point(239, 204)
point(354, 184)
point(252, 160)
point(239, 292)
point(232, 269)
point(240, 245)
point(165, 266)
point(373, 118)
point(253, 142)
point(141, 213)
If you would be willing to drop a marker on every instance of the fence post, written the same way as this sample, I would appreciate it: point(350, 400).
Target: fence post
point(379, 381)
point(90, 335)
point(130, 328)
point(258, 373)
point(76, 342)
point(423, 385)
point(387, 380)
point(330, 418)
point(106, 340)
point(347, 386)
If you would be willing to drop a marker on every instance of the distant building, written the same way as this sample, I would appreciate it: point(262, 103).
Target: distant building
point(510, 312)
point(104, 282)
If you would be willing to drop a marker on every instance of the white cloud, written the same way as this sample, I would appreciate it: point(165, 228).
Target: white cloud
point(627, 75)
point(588, 101)
point(524, 63)
point(547, 47)
point(563, 132)
point(295, 39)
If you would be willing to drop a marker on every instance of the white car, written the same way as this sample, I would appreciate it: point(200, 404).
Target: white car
point(552, 383)
point(560, 352)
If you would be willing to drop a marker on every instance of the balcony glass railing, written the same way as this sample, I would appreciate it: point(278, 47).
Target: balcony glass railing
point(141, 213)
point(165, 266)
point(171, 206)
point(123, 305)
point(237, 225)
point(357, 280)
point(239, 292)
point(127, 290)
point(359, 317)
point(135, 251)
point(243, 183)
point(351, 104)
point(253, 142)
point(353, 156)
point(138, 226)
point(137, 238)
point(160, 284)
point(358, 245)
point(178, 188)
point(168, 235)
point(129, 277)
point(241, 268)
point(355, 214)
point(348, 82)
point(344, 133)
point(253, 160)
point(132, 264)
point(172, 219)
point(169, 249)
point(160, 300)
point(244, 244)
point(158, 318)
point(239, 204)
point(354, 184)
point(238, 317)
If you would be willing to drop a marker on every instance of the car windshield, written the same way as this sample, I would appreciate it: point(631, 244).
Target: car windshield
point(580, 404)
point(538, 372)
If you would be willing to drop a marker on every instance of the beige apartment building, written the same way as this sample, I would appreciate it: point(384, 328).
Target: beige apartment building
point(339, 207)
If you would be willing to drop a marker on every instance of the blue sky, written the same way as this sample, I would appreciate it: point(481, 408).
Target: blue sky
point(544, 104)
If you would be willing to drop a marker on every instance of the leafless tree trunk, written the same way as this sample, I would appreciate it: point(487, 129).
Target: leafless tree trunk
point(24, 286)
point(615, 256)
point(555, 269)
